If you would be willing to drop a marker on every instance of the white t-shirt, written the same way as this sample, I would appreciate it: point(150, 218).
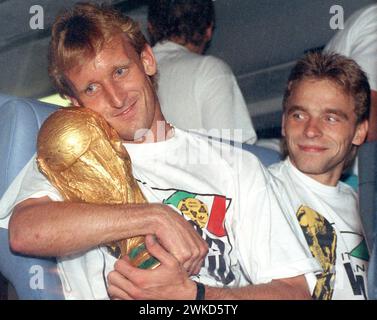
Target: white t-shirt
point(358, 40)
point(330, 221)
point(201, 92)
point(225, 190)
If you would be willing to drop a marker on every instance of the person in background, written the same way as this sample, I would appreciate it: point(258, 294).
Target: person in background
point(358, 41)
point(325, 119)
point(196, 91)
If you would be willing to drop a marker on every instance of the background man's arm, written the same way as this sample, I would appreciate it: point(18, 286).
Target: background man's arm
point(45, 228)
point(222, 103)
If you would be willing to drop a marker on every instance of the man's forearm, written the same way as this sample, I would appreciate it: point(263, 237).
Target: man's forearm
point(59, 228)
point(285, 289)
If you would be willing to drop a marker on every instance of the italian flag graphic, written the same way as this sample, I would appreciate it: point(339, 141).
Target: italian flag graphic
point(207, 211)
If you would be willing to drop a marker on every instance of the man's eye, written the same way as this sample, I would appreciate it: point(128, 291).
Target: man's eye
point(91, 89)
point(332, 119)
point(297, 116)
point(120, 71)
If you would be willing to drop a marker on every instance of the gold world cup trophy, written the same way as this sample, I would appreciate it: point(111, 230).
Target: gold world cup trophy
point(84, 159)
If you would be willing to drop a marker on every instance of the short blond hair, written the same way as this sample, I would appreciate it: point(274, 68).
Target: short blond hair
point(81, 32)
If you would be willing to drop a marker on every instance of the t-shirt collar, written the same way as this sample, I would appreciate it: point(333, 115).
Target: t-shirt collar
point(167, 45)
point(152, 149)
point(312, 183)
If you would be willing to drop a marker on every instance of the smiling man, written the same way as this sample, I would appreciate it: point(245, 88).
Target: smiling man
point(326, 107)
point(114, 84)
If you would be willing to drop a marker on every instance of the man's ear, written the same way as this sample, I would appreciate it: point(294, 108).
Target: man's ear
point(148, 60)
point(209, 33)
point(73, 101)
point(361, 133)
point(150, 28)
point(283, 125)
point(285, 108)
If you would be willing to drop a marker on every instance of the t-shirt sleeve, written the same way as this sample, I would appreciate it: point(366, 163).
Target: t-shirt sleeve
point(221, 101)
point(269, 243)
point(366, 57)
point(358, 41)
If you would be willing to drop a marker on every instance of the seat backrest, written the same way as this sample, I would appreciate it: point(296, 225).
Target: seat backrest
point(368, 189)
point(265, 155)
point(20, 121)
point(368, 207)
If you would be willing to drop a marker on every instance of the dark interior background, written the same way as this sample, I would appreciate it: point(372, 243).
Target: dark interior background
point(259, 39)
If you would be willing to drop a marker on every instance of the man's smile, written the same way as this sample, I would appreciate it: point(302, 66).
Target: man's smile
point(127, 110)
point(312, 148)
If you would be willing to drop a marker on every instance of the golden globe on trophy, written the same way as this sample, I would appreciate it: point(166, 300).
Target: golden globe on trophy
point(84, 159)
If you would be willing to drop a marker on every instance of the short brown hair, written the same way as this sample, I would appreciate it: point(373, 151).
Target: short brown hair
point(81, 32)
point(337, 68)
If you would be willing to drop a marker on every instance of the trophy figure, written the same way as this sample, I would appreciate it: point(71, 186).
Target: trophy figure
point(84, 159)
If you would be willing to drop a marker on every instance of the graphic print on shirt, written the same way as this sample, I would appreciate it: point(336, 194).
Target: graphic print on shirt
point(355, 262)
point(322, 240)
point(206, 212)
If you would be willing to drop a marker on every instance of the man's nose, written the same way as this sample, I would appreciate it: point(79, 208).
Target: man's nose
point(116, 96)
point(313, 128)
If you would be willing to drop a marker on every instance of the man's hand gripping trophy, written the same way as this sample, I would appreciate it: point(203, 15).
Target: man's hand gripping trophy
point(85, 160)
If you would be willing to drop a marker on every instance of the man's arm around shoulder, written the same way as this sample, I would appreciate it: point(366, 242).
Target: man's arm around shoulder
point(43, 227)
